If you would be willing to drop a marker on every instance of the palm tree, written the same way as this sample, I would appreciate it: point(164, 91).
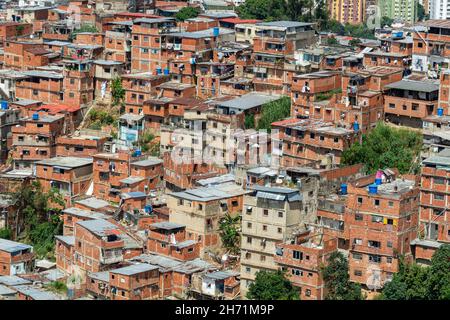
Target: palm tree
point(229, 230)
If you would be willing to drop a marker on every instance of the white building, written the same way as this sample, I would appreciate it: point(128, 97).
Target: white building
point(439, 9)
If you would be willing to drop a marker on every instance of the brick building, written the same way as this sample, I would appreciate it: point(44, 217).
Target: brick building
point(15, 258)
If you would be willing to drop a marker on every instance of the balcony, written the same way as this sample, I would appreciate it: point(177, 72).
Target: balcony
point(111, 256)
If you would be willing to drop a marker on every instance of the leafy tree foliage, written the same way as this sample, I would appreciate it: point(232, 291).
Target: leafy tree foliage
point(439, 275)
point(5, 233)
point(274, 111)
point(414, 282)
point(358, 31)
point(145, 140)
point(386, 147)
point(354, 42)
point(41, 215)
point(83, 28)
point(386, 21)
point(249, 122)
point(332, 41)
point(229, 230)
point(187, 13)
point(337, 280)
point(421, 15)
point(117, 91)
point(272, 285)
point(262, 10)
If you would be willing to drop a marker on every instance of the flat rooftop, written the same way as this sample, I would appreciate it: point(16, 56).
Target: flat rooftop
point(203, 194)
point(13, 246)
point(249, 101)
point(66, 162)
point(413, 85)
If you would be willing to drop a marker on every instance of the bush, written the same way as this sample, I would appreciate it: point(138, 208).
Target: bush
point(274, 111)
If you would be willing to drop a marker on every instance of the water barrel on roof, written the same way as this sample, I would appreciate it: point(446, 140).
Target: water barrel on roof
point(4, 105)
point(343, 189)
point(378, 181)
point(148, 208)
point(137, 153)
point(440, 111)
point(158, 70)
point(373, 188)
point(35, 116)
point(166, 71)
point(216, 31)
point(356, 126)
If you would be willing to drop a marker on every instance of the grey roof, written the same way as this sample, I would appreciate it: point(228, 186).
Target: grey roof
point(99, 227)
point(284, 24)
point(45, 118)
point(422, 86)
point(249, 101)
point(107, 62)
point(70, 240)
point(166, 225)
point(217, 180)
point(132, 180)
point(134, 269)
point(5, 291)
point(221, 275)
point(53, 274)
point(153, 20)
point(84, 213)
point(437, 160)
point(263, 171)
point(66, 162)
point(93, 202)
point(43, 74)
point(184, 244)
point(37, 293)
point(151, 161)
point(278, 194)
point(426, 243)
point(25, 102)
point(57, 43)
point(196, 265)
point(131, 117)
point(13, 280)
point(133, 194)
point(202, 33)
point(165, 263)
point(12, 246)
point(102, 276)
point(222, 191)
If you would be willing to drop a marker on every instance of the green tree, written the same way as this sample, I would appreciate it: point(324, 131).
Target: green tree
point(386, 147)
point(145, 140)
point(410, 283)
point(354, 42)
point(321, 14)
point(5, 233)
point(421, 15)
point(439, 275)
point(332, 41)
point(41, 215)
point(229, 231)
point(187, 13)
point(262, 10)
point(274, 111)
point(272, 285)
point(337, 280)
point(386, 21)
point(117, 91)
point(249, 122)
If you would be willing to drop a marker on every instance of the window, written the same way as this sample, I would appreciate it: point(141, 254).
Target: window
point(420, 44)
point(280, 230)
point(392, 105)
point(357, 241)
point(374, 258)
point(439, 181)
point(358, 217)
point(262, 258)
point(264, 228)
point(336, 140)
point(389, 244)
point(357, 273)
point(374, 244)
point(249, 240)
point(438, 196)
point(390, 221)
point(248, 269)
point(377, 219)
point(357, 256)
point(391, 204)
point(376, 202)
point(297, 272)
point(308, 292)
point(249, 225)
point(389, 259)
point(321, 138)
point(414, 106)
point(265, 212)
point(297, 255)
point(280, 214)
point(312, 135)
point(360, 200)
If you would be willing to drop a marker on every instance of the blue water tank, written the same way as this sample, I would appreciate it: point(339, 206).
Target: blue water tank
point(356, 126)
point(192, 60)
point(216, 31)
point(158, 70)
point(137, 153)
point(343, 188)
point(440, 112)
point(373, 188)
point(35, 116)
point(378, 181)
point(4, 105)
point(148, 209)
point(166, 71)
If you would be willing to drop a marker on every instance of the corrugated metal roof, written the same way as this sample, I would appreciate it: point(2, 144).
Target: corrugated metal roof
point(151, 161)
point(249, 101)
point(421, 86)
point(13, 280)
point(93, 203)
point(102, 276)
point(4, 291)
point(134, 269)
point(67, 162)
point(166, 225)
point(37, 293)
point(99, 227)
point(12, 246)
